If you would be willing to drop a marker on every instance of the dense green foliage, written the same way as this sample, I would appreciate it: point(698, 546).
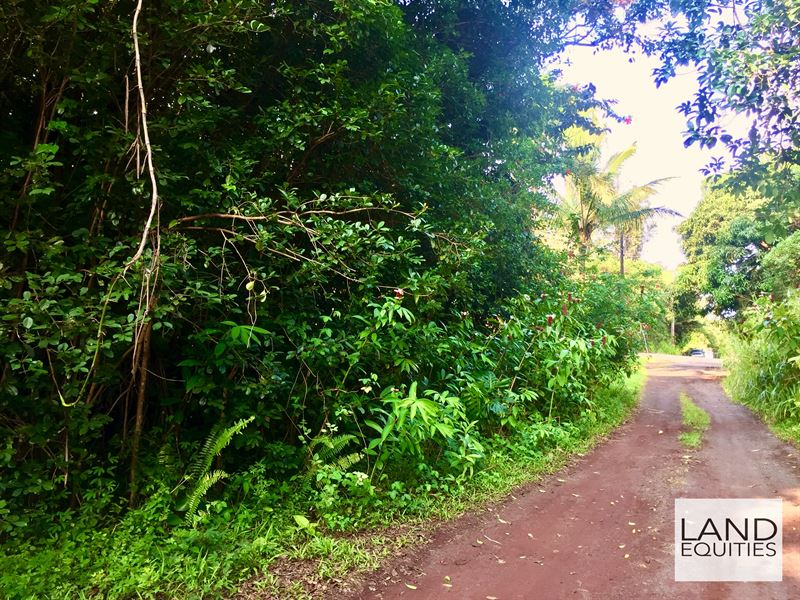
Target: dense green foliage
point(743, 258)
point(765, 359)
point(311, 159)
point(739, 242)
point(339, 305)
point(721, 243)
point(341, 310)
point(780, 267)
point(292, 283)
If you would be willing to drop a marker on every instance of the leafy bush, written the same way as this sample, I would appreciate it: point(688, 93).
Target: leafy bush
point(765, 359)
point(780, 267)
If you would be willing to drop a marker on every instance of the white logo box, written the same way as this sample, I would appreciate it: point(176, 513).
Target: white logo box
point(728, 539)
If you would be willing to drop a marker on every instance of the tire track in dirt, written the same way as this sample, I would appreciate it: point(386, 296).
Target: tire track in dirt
point(602, 528)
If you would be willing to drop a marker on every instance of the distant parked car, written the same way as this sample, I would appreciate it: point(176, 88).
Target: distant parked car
point(697, 352)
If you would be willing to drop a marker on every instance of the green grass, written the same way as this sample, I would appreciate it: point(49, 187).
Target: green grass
point(258, 540)
point(695, 420)
point(776, 404)
point(787, 430)
point(784, 427)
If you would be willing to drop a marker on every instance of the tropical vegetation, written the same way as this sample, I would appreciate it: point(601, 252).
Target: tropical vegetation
point(276, 271)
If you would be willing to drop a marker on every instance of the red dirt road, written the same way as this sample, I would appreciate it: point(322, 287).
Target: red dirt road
point(602, 529)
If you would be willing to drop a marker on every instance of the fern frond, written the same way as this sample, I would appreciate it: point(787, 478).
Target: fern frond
point(198, 471)
point(343, 463)
point(216, 442)
point(326, 450)
point(331, 446)
point(200, 490)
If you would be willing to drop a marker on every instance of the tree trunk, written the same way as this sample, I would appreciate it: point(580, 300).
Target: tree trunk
point(672, 329)
point(138, 423)
point(622, 253)
point(585, 237)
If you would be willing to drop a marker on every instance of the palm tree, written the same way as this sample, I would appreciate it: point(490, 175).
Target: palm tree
point(593, 201)
point(629, 214)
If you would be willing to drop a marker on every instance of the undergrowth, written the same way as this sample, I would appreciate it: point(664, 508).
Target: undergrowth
point(764, 363)
point(144, 556)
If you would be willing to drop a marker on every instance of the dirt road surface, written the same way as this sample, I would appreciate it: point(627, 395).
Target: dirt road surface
point(602, 529)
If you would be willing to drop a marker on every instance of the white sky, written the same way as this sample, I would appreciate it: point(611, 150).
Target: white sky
point(657, 128)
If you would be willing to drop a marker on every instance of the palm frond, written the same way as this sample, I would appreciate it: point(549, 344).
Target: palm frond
point(615, 163)
point(601, 188)
point(639, 193)
point(641, 214)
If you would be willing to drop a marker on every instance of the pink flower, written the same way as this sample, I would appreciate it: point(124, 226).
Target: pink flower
point(627, 120)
